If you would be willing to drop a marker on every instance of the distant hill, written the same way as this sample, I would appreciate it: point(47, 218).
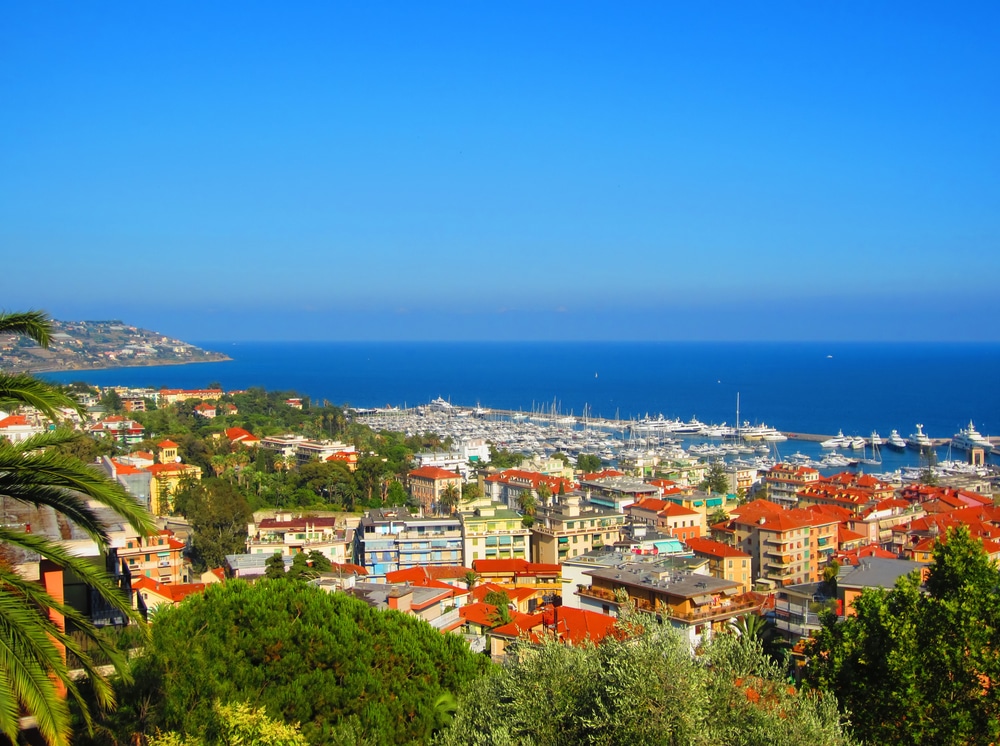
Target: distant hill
point(82, 345)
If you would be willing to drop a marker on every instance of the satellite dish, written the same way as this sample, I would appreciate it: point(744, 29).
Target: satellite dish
point(177, 459)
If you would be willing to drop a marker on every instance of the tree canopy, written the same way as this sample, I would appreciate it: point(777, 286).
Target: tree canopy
point(642, 687)
point(919, 665)
point(345, 672)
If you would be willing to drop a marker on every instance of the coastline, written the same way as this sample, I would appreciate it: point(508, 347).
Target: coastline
point(144, 364)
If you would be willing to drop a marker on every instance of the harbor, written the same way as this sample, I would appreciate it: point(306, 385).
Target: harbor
point(657, 439)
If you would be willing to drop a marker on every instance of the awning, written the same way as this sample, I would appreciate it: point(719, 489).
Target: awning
point(701, 600)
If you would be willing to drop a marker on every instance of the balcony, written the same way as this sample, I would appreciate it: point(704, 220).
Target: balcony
point(723, 610)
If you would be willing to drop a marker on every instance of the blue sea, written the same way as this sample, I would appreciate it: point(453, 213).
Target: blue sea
point(799, 387)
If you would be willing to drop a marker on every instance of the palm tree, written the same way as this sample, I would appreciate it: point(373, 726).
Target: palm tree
point(33, 668)
point(449, 498)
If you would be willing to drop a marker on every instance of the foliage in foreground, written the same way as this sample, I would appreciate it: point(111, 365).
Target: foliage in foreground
point(237, 725)
point(39, 472)
point(643, 689)
point(347, 673)
point(920, 668)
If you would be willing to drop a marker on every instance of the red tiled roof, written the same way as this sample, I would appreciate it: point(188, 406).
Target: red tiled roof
point(428, 572)
point(175, 592)
point(603, 474)
point(238, 433)
point(434, 472)
point(121, 469)
point(348, 567)
point(478, 613)
point(515, 567)
point(714, 548)
point(14, 420)
point(166, 444)
point(516, 595)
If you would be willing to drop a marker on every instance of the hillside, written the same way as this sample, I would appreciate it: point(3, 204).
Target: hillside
point(82, 345)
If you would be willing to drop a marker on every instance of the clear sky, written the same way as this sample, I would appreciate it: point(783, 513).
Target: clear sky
point(515, 170)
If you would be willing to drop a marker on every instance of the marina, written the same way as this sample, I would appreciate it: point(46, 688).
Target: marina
point(658, 439)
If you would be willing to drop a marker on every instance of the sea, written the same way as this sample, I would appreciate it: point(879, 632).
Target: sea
point(803, 387)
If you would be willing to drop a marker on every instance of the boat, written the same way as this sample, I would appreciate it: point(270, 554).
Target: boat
point(838, 441)
point(440, 405)
point(834, 460)
point(968, 438)
point(856, 443)
point(691, 427)
point(875, 440)
point(919, 439)
point(895, 441)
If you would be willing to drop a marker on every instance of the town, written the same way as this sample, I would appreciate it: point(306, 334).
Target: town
point(499, 552)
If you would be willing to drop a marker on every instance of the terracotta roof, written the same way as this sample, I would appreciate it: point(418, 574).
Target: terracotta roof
point(14, 420)
point(478, 613)
point(166, 444)
point(239, 434)
point(603, 474)
point(714, 548)
point(348, 567)
point(434, 472)
point(174, 592)
point(428, 572)
point(515, 567)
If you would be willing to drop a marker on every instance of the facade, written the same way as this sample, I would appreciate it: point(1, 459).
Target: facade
point(17, 427)
point(507, 486)
point(428, 483)
point(698, 606)
point(492, 531)
point(159, 557)
point(787, 546)
point(289, 535)
point(618, 492)
point(668, 517)
point(172, 396)
point(725, 562)
point(783, 481)
point(302, 449)
point(391, 539)
point(135, 480)
point(119, 428)
point(167, 477)
point(567, 527)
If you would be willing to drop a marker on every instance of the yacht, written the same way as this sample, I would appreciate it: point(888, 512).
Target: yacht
point(834, 460)
point(919, 440)
point(856, 443)
point(968, 438)
point(838, 441)
point(876, 439)
point(692, 427)
point(896, 441)
point(440, 405)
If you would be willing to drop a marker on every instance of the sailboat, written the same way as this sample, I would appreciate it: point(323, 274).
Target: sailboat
point(876, 458)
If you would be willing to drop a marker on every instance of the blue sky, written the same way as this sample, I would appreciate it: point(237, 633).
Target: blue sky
point(505, 171)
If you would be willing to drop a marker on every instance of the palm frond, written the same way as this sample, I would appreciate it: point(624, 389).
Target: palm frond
point(17, 389)
point(92, 576)
point(64, 483)
point(35, 325)
point(27, 658)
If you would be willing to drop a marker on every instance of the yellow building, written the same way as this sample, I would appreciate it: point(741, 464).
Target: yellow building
point(167, 477)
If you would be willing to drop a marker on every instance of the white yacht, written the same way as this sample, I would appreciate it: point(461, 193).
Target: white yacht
point(875, 439)
point(838, 441)
point(968, 438)
point(896, 441)
point(919, 439)
point(440, 405)
point(856, 443)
